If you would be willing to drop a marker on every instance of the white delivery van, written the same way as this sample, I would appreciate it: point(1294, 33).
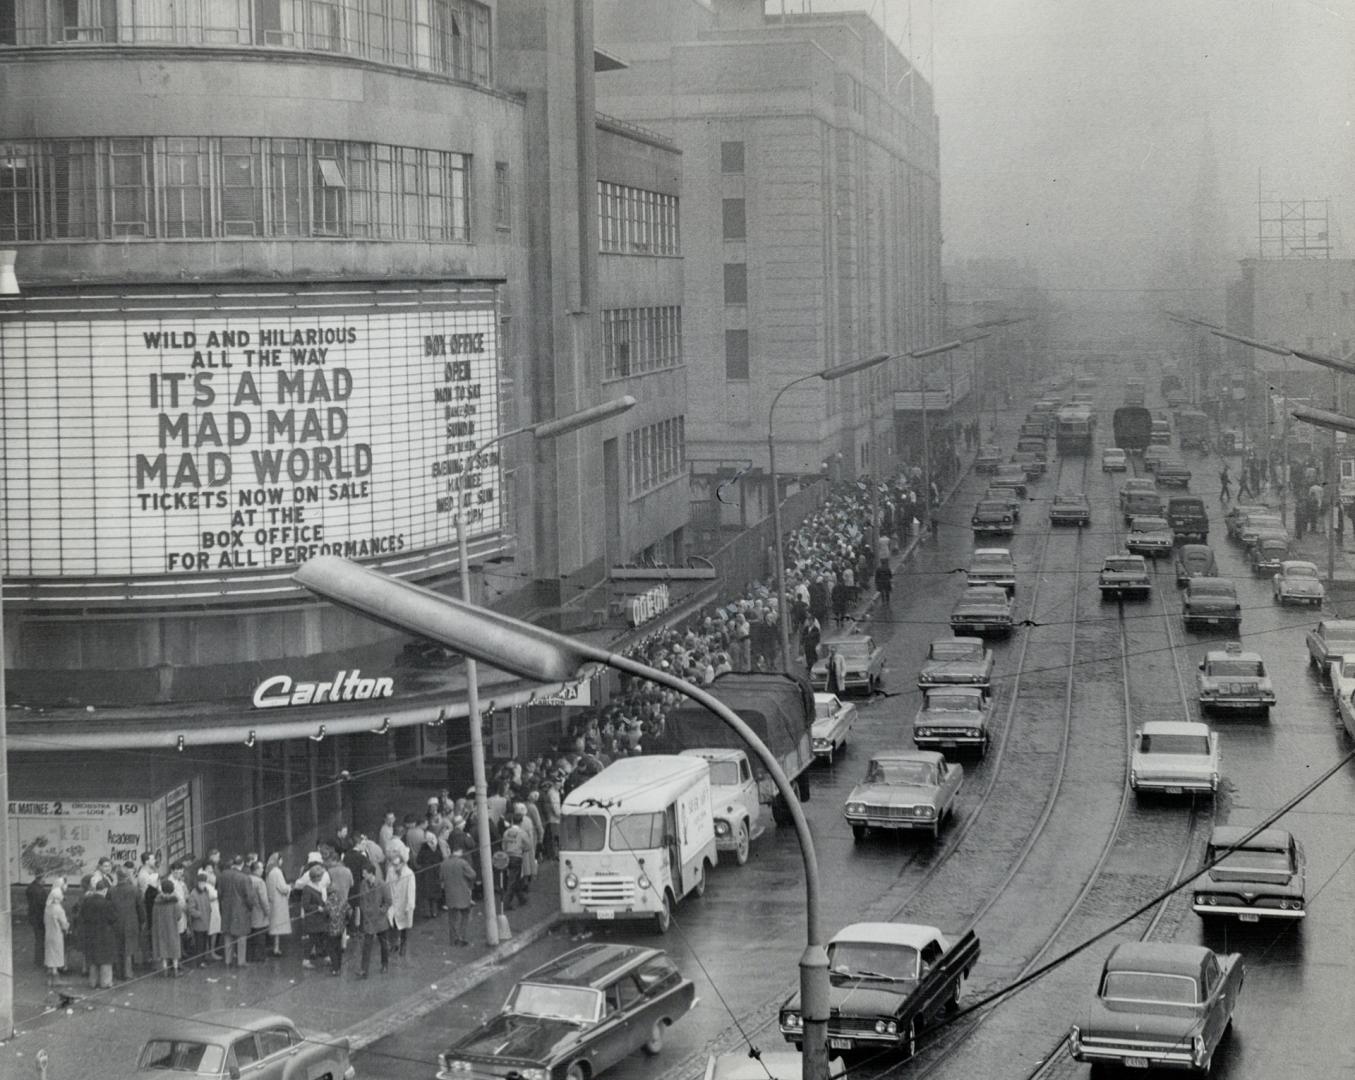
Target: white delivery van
point(636, 839)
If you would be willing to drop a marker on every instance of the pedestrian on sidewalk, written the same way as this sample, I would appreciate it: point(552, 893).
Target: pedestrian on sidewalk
point(373, 919)
point(168, 909)
point(884, 582)
point(55, 924)
point(259, 913)
point(99, 935)
point(338, 915)
point(513, 843)
point(36, 896)
point(400, 878)
point(458, 879)
point(1225, 484)
point(809, 640)
point(310, 894)
point(279, 904)
point(237, 900)
point(130, 921)
point(840, 596)
point(199, 909)
point(837, 672)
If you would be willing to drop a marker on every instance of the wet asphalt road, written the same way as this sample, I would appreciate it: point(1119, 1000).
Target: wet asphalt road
point(1045, 850)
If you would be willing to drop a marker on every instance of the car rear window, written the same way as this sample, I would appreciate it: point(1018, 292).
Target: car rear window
point(182, 1056)
point(1123, 565)
point(1170, 743)
point(946, 650)
point(1149, 986)
point(1248, 669)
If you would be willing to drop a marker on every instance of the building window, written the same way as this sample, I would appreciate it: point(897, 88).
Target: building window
point(735, 225)
point(637, 340)
point(635, 221)
point(736, 283)
point(655, 455)
point(736, 355)
point(502, 201)
point(222, 187)
point(731, 157)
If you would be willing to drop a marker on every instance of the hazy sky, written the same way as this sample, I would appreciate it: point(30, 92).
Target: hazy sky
point(1071, 129)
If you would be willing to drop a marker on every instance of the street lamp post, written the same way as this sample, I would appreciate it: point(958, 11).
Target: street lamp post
point(1274, 350)
point(496, 925)
point(923, 354)
point(1334, 421)
point(532, 652)
point(778, 553)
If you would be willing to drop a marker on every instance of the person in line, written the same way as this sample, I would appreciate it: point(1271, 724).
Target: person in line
point(279, 909)
point(199, 909)
point(168, 908)
point(237, 902)
point(99, 934)
point(36, 897)
point(260, 913)
point(337, 913)
point(311, 894)
point(400, 878)
point(458, 880)
point(130, 919)
point(55, 925)
point(373, 906)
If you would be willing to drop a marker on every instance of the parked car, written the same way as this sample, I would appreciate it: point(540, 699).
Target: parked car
point(1230, 678)
point(1173, 757)
point(833, 721)
point(865, 662)
point(988, 458)
point(904, 789)
point(1113, 459)
point(1211, 602)
point(992, 517)
point(1236, 514)
point(888, 983)
point(1153, 455)
point(1267, 555)
point(1159, 1005)
point(1195, 560)
point(1298, 581)
point(1070, 508)
point(1328, 640)
point(957, 661)
point(1188, 518)
point(1172, 472)
point(576, 1016)
point(1133, 484)
point(1141, 504)
point(1161, 434)
point(1252, 878)
point(1007, 497)
point(992, 566)
point(1124, 574)
point(1149, 535)
point(953, 718)
point(228, 1042)
point(1033, 464)
point(982, 609)
point(1255, 525)
point(1011, 476)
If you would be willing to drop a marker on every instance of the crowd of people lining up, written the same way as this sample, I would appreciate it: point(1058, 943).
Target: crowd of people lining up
point(1259, 477)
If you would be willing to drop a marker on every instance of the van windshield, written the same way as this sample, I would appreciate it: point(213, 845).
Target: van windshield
point(637, 832)
point(583, 832)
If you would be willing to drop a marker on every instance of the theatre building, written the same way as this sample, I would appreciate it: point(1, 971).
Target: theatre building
point(283, 270)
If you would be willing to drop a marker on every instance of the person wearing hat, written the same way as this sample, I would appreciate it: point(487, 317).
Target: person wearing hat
point(310, 893)
point(458, 879)
point(400, 879)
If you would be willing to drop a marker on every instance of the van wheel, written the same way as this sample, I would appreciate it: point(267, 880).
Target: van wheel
point(910, 1040)
point(780, 812)
point(802, 786)
point(741, 844)
point(664, 919)
point(577, 1071)
point(858, 833)
point(699, 889)
point(654, 1045)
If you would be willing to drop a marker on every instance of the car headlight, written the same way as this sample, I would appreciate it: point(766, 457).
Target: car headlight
point(642, 883)
point(1133, 777)
point(571, 881)
point(856, 808)
point(924, 811)
point(1213, 781)
point(820, 744)
point(792, 1020)
point(721, 827)
point(531, 1074)
point(1198, 1049)
point(879, 1027)
point(1075, 1038)
point(453, 1065)
point(922, 732)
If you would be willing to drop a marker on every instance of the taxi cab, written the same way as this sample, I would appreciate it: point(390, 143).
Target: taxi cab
point(1234, 679)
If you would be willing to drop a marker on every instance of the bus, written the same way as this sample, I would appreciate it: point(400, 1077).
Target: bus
point(1073, 430)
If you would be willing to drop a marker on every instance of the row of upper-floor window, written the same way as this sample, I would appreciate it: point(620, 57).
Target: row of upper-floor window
point(635, 221)
point(640, 339)
point(449, 37)
point(655, 454)
point(219, 187)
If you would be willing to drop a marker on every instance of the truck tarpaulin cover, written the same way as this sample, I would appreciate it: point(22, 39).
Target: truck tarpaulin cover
point(778, 707)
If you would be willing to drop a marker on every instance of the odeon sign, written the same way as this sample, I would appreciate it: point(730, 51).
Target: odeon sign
point(280, 691)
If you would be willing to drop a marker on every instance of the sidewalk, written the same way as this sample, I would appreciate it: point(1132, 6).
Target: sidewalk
point(103, 1030)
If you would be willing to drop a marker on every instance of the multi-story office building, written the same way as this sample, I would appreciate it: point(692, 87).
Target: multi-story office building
point(810, 217)
point(284, 269)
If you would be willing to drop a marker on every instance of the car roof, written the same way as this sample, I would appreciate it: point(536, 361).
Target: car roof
point(1296, 563)
point(1167, 957)
point(852, 638)
point(959, 639)
point(887, 933)
point(1125, 555)
point(963, 691)
point(1230, 835)
point(1149, 521)
point(1173, 727)
point(982, 591)
point(222, 1026)
point(594, 964)
point(1195, 549)
point(1337, 627)
point(1212, 583)
point(992, 551)
point(1224, 654)
point(927, 757)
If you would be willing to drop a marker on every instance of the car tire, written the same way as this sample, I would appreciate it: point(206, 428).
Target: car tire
point(577, 1071)
point(742, 843)
point(910, 1040)
point(664, 919)
point(859, 833)
point(654, 1044)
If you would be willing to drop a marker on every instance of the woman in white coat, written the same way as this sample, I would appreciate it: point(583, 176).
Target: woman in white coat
point(56, 923)
point(400, 878)
point(279, 914)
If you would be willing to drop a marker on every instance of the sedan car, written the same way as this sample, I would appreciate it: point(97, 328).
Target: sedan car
point(1070, 508)
point(865, 662)
point(1011, 476)
point(1255, 525)
point(1328, 641)
point(833, 720)
point(1123, 575)
point(1133, 484)
point(1173, 757)
point(1007, 497)
point(988, 459)
point(1211, 602)
point(1298, 582)
point(1034, 464)
point(228, 1042)
point(992, 517)
point(1172, 472)
point(1267, 555)
point(957, 661)
point(992, 566)
point(1113, 459)
point(953, 718)
point(1195, 560)
point(982, 609)
point(1159, 1005)
point(904, 789)
point(576, 1016)
point(1237, 514)
point(1251, 878)
point(1231, 678)
point(1153, 455)
point(1149, 535)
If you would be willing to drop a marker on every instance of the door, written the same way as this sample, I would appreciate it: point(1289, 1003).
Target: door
point(615, 1036)
point(670, 843)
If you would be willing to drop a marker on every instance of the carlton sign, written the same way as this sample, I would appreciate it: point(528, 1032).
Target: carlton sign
point(280, 691)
